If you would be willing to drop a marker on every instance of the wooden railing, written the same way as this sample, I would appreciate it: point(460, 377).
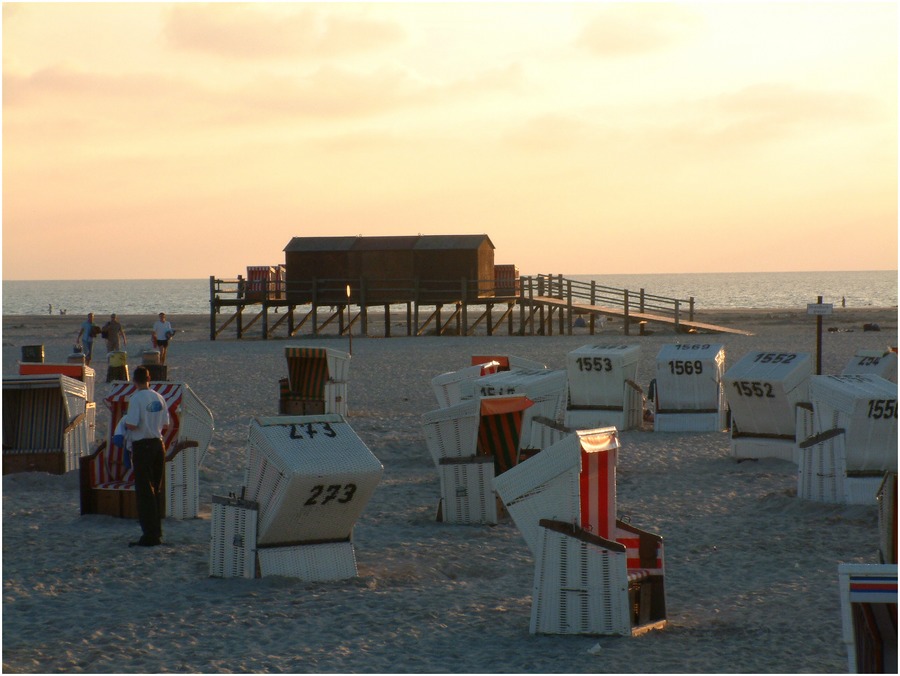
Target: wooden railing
point(591, 293)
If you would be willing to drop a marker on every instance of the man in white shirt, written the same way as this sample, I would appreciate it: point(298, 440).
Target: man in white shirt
point(146, 418)
point(162, 332)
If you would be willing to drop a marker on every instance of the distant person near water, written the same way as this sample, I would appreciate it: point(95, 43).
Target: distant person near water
point(86, 335)
point(112, 330)
point(162, 333)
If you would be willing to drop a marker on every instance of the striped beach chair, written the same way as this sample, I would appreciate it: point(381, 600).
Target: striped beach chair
point(869, 617)
point(316, 382)
point(471, 443)
point(46, 425)
point(594, 574)
point(107, 485)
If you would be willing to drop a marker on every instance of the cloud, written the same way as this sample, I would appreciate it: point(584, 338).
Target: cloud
point(247, 31)
point(628, 30)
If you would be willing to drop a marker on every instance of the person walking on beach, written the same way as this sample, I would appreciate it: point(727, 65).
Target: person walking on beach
point(146, 418)
point(113, 330)
point(86, 335)
point(162, 332)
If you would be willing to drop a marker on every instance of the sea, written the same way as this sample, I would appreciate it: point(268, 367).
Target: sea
point(709, 290)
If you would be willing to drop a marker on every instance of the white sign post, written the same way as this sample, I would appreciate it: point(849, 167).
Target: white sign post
point(819, 309)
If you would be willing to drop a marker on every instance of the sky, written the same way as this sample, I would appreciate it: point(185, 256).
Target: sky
point(151, 141)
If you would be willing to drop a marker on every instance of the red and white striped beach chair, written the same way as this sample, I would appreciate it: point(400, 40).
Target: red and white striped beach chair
point(593, 573)
point(869, 616)
point(46, 423)
point(316, 382)
point(107, 487)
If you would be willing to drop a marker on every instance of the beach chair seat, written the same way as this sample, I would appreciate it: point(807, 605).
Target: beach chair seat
point(107, 485)
point(316, 381)
point(47, 423)
point(311, 478)
point(594, 574)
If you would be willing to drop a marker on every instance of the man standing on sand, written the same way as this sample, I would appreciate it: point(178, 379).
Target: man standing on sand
point(147, 417)
point(86, 336)
point(113, 331)
point(162, 332)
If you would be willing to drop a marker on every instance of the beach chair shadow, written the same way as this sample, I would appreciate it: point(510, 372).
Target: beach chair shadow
point(594, 574)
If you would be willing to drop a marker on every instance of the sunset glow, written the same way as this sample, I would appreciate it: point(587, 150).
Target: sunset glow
point(187, 140)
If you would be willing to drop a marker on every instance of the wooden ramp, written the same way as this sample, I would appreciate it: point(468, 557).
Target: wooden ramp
point(637, 317)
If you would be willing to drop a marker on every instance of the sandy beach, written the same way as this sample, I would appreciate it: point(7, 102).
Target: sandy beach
point(751, 570)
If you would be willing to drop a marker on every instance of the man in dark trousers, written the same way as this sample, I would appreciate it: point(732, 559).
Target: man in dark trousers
point(146, 418)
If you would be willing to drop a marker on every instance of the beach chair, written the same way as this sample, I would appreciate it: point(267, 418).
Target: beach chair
point(107, 484)
point(546, 388)
point(446, 386)
point(762, 390)
point(593, 574)
point(869, 617)
point(510, 362)
point(46, 423)
point(78, 371)
point(854, 440)
point(470, 444)
point(873, 362)
point(308, 480)
point(316, 382)
point(689, 395)
point(603, 391)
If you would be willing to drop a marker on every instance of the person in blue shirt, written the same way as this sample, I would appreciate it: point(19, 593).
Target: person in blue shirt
point(86, 335)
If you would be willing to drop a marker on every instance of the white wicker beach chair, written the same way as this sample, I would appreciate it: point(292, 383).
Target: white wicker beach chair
point(312, 477)
point(689, 395)
point(603, 391)
point(47, 423)
point(107, 485)
point(873, 362)
point(854, 441)
point(869, 617)
point(593, 573)
point(762, 390)
point(446, 386)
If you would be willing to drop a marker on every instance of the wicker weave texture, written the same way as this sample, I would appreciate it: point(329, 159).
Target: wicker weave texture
point(310, 563)
point(232, 546)
point(311, 475)
point(579, 588)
